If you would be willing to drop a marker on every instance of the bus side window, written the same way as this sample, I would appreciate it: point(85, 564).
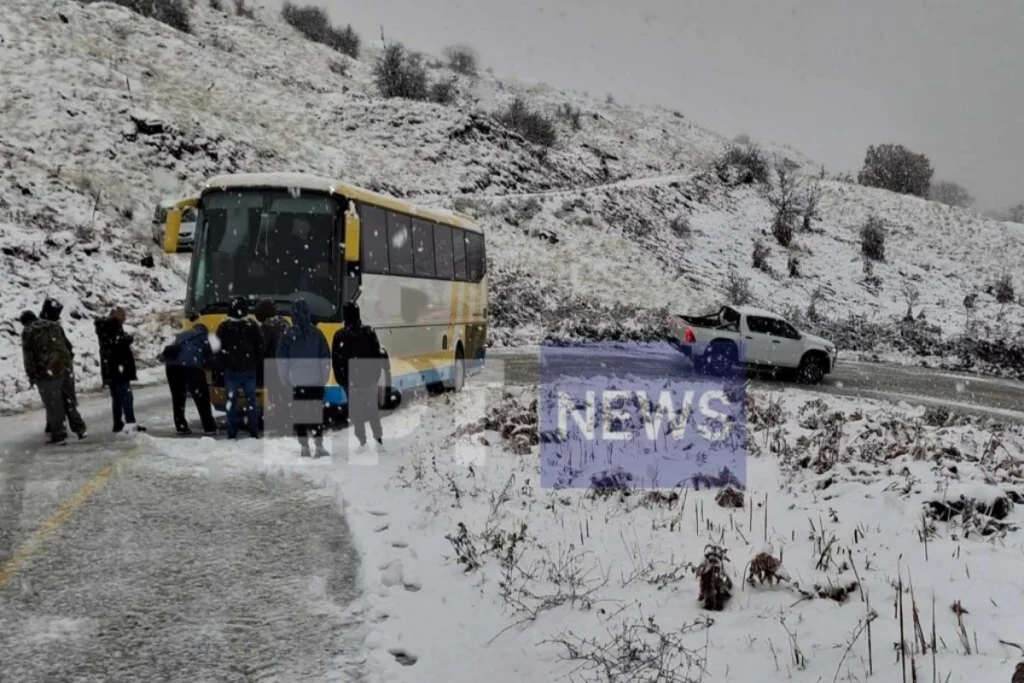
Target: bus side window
point(459, 247)
point(443, 250)
point(474, 256)
point(399, 244)
point(423, 248)
point(374, 240)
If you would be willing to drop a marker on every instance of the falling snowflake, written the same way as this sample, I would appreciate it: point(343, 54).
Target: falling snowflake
point(961, 387)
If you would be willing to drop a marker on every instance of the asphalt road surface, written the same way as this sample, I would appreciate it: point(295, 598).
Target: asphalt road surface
point(989, 397)
point(161, 575)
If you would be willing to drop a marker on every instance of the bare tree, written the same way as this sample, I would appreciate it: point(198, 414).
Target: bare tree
point(785, 196)
point(911, 296)
point(812, 200)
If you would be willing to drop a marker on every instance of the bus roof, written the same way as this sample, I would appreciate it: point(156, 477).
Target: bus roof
point(305, 181)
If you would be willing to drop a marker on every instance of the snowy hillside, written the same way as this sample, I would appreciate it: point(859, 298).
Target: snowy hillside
point(101, 102)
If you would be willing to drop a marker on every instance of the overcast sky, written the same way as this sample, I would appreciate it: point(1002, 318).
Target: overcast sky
point(829, 77)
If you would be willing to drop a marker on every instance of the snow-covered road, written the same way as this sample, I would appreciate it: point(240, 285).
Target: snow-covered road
point(983, 396)
point(118, 565)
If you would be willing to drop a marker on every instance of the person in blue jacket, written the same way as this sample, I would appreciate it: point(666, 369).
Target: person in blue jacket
point(185, 360)
point(304, 366)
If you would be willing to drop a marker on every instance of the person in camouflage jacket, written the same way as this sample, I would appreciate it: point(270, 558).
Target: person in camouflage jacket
point(49, 364)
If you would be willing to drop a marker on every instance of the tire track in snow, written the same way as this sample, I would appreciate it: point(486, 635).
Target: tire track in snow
point(169, 576)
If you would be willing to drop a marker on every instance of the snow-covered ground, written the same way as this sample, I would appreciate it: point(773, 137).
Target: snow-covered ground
point(105, 112)
point(472, 569)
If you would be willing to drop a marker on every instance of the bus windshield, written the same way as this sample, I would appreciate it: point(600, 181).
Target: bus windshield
point(266, 244)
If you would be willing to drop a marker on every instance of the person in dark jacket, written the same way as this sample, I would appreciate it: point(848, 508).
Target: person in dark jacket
point(241, 353)
point(185, 360)
point(304, 365)
point(49, 363)
point(272, 326)
point(51, 311)
point(117, 367)
point(357, 359)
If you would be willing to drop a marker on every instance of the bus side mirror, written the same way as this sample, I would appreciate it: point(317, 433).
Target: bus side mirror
point(351, 236)
point(171, 229)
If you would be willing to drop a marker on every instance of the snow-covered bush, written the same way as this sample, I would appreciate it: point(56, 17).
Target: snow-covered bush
point(745, 163)
point(315, 24)
point(897, 169)
point(462, 59)
point(1004, 289)
point(174, 13)
point(872, 239)
point(400, 73)
point(532, 125)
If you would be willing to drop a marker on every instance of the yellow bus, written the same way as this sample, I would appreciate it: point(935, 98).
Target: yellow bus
point(420, 274)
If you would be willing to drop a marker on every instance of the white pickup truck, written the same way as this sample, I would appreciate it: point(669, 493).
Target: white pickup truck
point(745, 336)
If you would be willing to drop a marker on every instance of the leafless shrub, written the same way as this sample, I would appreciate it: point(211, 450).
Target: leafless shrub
point(744, 163)
point(785, 197)
point(872, 239)
point(1004, 289)
point(742, 139)
point(910, 295)
point(443, 91)
point(737, 289)
point(462, 59)
point(571, 115)
point(760, 256)
point(338, 67)
point(680, 227)
point(811, 202)
point(217, 5)
point(951, 194)
point(640, 651)
point(534, 126)
point(793, 264)
point(243, 10)
point(399, 73)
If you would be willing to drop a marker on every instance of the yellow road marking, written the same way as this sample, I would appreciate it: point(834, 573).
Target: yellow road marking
point(11, 565)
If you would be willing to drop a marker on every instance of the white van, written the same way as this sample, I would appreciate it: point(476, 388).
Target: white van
point(188, 224)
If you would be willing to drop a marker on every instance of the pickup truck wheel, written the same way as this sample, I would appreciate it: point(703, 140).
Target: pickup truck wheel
point(811, 370)
point(719, 360)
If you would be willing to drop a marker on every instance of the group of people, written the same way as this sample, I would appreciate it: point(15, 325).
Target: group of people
point(49, 361)
point(296, 354)
point(299, 362)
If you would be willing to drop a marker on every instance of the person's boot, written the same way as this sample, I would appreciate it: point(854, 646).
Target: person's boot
point(304, 450)
point(320, 451)
point(183, 430)
point(380, 446)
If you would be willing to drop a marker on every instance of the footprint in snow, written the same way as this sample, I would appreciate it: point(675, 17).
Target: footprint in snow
point(383, 527)
point(378, 513)
point(399, 544)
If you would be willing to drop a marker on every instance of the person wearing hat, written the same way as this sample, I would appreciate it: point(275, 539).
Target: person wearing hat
point(49, 364)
